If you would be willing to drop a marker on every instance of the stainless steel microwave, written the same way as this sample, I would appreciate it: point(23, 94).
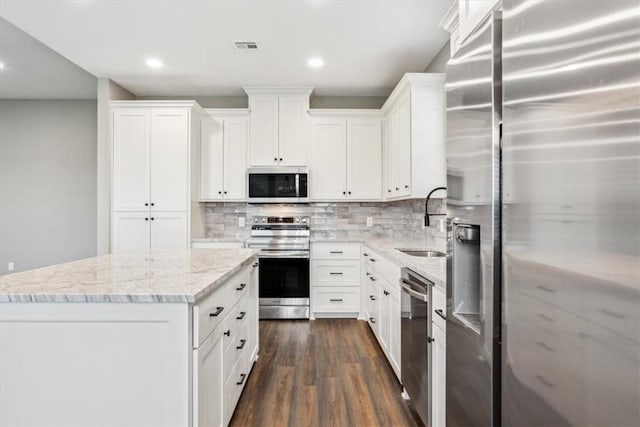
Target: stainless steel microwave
point(278, 185)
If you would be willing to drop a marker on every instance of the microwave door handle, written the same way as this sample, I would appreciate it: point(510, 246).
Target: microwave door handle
point(298, 185)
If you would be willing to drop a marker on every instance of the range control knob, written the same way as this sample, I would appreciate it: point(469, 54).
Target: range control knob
point(297, 219)
point(255, 220)
point(305, 220)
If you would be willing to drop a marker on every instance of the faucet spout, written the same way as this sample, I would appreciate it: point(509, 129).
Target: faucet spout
point(427, 221)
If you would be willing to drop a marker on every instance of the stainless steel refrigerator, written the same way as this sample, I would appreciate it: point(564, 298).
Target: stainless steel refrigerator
point(543, 117)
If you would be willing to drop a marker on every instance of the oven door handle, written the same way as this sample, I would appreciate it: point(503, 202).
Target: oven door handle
point(283, 254)
point(408, 289)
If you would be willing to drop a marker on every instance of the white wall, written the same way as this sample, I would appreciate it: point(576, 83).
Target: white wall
point(47, 181)
point(108, 90)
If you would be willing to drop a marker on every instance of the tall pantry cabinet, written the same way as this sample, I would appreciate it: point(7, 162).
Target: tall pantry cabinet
point(155, 146)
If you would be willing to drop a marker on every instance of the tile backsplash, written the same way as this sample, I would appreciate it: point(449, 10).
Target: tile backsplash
point(399, 220)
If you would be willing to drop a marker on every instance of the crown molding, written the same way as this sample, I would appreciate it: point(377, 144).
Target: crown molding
point(450, 19)
point(276, 90)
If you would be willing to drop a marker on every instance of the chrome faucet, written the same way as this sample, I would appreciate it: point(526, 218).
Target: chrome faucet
point(427, 215)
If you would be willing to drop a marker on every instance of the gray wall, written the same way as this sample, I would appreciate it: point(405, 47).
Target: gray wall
point(47, 181)
point(314, 102)
point(439, 62)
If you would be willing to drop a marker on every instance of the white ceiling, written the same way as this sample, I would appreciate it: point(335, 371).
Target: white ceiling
point(367, 45)
point(32, 70)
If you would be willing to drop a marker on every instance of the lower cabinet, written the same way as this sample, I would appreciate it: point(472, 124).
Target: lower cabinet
point(223, 360)
point(134, 231)
point(439, 369)
point(335, 279)
point(382, 305)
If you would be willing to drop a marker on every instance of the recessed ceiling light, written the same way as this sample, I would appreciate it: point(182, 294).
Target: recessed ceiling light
point(1, 65)
point(154, 63)
point(315, 62)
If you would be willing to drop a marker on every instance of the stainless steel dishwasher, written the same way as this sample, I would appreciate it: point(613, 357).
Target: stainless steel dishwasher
point(416, 342)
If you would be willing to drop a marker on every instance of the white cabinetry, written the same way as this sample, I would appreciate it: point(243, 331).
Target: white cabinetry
point(208, 383)
point(224, 155)
point(414, 137)
point(382, 306)
point(335, 279)
point(153, 146)
point(279, 126)
point(346, 158)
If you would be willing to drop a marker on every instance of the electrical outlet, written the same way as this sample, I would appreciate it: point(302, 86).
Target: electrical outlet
point(369, 221)
point(10, 266)
point(241, 221)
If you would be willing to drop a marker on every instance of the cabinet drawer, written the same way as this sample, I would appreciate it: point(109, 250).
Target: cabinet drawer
point(336, 299)
point(335, 251)
point(239, 284)
point(333, 273)
point(208, 314)
point(234, 385)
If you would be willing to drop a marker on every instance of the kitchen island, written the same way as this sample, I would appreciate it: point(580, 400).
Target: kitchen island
point(144, 339)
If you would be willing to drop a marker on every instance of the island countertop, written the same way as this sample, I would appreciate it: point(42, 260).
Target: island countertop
point(137, 277)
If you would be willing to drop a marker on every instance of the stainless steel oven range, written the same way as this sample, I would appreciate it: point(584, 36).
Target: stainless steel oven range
point(284, 265)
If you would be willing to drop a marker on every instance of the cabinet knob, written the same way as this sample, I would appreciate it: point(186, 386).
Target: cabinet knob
point(397, 189)
point(280, 158)
point(152, 218)
point(388, 191)
point(406, 186)
point(153, 204)
point(225, 192)
point(146, 219)
point(219, 192)
point(344, 192)
point(146, 204)
point(349, 192)
point(275, 159)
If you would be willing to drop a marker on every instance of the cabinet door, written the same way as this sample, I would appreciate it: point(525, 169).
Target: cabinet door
point(364, 159)
point(235, 154)
point(394, 334)
point(387, 158)
point(170, 159)
point(209, 383)
point(438, 385)
point(403, 184)
point(373, 306)
point(394, 148)
point(212, 159)
point(131, 139)
point(263, 140)
point(293, 124)
point(169, 230)
point(329, 160)
point(130, 231)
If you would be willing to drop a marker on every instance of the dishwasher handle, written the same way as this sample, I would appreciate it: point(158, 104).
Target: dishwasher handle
point(406, 287)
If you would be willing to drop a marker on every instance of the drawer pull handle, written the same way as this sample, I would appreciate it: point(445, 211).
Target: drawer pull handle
point(372, 298)
point(335, 252)
point(365, 254)
point(228, 333)
point(241, 346)
point(441, 314)
point(372, 259)
point(335, 299)
point(372, 320)
point(373, 279)
point(242, 378)
point(430, 340)
point(255, 264)
point(386, 292)
point(242, 314)
point(336, 273)
point(217, 312)
point(241, 287)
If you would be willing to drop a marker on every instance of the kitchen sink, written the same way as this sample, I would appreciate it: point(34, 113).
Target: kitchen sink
point(422, 253)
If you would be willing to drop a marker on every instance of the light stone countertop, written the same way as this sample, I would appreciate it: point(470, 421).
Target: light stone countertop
point(137, 277)
point(433, 269)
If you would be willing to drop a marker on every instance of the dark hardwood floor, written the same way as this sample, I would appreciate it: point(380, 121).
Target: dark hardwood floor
point(328, 372)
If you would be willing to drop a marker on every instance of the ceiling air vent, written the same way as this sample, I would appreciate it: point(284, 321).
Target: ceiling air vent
point(244, 46)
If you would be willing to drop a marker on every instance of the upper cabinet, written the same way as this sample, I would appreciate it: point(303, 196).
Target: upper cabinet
point(279, 126)
point(154, 145)
point(223, 159)
point(414, 137)
point(346, 155)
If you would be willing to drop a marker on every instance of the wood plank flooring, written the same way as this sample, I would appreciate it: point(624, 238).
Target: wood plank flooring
point(325, 372)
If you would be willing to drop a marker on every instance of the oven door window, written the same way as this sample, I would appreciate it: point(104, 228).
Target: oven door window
point(284, 278)
point(271, 185)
